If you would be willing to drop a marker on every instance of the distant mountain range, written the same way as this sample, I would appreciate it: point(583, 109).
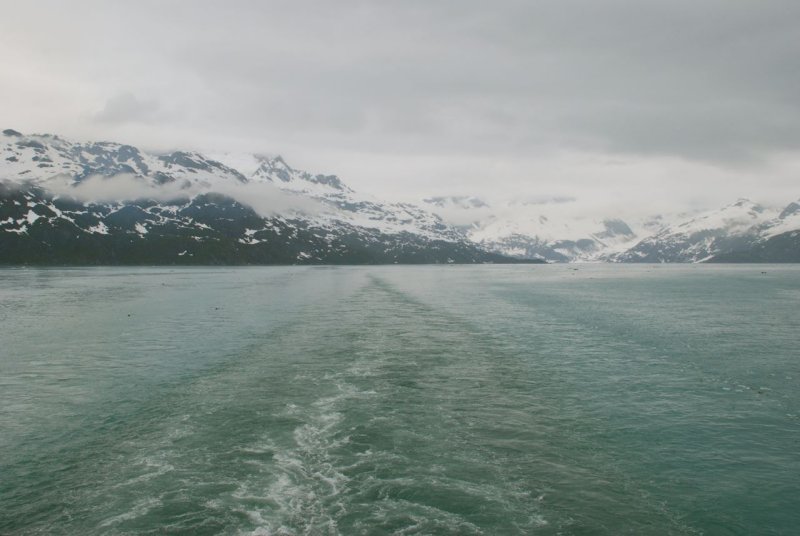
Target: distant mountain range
point(105, 203)
point(63, 202)
point(740, 232)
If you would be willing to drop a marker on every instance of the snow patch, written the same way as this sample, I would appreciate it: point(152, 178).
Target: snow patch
point(100, 228)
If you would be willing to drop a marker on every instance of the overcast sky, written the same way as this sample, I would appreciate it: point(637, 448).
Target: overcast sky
point(650, 104)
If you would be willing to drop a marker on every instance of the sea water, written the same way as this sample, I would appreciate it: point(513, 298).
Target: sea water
point(559, 399)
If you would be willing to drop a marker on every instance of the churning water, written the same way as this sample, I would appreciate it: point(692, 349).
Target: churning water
point(461, 400)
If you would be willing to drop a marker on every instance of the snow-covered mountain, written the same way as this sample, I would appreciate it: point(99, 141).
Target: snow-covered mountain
point(535, 229)
point(743, 231)
point(42, 158)
point(351, 207)
point(734, 227)
point(554, 240)
point(102, 202)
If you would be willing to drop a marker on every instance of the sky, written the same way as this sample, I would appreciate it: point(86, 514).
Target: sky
point(619, 105)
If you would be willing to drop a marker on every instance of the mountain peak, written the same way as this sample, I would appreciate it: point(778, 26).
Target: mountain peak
point(744, 202)
point(279, 161)
point(616, 227)
point(276, 169)
point(44, 157)
point(273, 162)
point(790, 210)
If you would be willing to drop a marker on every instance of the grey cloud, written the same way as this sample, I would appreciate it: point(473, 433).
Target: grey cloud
point(264, 198)
point(544, 200)
point(713, 82)
point(126, 107)
point(699, 80)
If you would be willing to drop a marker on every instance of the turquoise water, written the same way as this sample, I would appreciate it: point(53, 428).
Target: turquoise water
point(461, 400)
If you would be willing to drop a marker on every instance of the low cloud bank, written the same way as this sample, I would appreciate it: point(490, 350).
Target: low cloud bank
point(266, 199)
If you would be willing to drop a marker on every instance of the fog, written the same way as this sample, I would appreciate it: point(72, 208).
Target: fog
point(266, 199)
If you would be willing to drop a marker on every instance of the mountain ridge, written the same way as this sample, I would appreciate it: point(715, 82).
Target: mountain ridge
point(104, 189)
point(185, 208)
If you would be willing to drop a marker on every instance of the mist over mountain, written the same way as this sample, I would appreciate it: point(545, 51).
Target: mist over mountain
point(743, 231)
point(559, 232)
point(105, 202)
point(63, 202)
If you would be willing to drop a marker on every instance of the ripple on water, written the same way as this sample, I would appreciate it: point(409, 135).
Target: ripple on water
point(490, 400)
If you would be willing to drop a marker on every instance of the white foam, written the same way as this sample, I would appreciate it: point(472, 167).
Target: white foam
point(138, 510)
